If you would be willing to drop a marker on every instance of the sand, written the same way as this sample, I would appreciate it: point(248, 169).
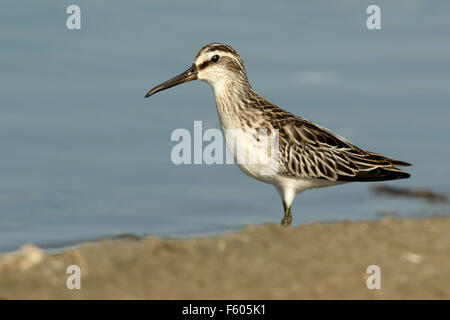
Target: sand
point(317, 261)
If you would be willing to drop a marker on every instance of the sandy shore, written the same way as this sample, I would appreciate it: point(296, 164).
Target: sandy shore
point(318, 261)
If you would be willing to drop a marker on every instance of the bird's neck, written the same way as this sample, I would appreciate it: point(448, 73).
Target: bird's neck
point(233, 99)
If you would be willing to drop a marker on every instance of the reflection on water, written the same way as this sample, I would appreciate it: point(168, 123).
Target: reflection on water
point(84, 155)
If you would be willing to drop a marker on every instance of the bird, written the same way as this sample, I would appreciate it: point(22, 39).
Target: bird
point(308, 155)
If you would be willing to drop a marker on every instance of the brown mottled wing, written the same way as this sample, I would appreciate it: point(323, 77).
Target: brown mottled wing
point(308, 150)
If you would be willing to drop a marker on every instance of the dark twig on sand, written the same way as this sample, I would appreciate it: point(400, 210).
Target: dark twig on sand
point(424, 194)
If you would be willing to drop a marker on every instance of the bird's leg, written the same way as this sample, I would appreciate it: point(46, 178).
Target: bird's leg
point(287, 219)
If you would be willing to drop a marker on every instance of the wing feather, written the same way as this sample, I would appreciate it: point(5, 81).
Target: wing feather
point(308, 150)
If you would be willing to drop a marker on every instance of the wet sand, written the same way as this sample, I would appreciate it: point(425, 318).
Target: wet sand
point(317, 261)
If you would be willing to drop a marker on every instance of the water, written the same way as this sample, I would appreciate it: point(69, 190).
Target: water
point(84, 155)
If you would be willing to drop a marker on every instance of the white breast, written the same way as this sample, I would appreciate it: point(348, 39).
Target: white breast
point(250, 154)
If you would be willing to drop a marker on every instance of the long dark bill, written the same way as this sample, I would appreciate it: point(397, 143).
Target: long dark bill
point(189, 75)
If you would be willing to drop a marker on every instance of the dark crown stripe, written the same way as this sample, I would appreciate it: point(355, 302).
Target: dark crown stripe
point(217, 47)
point(221, 47)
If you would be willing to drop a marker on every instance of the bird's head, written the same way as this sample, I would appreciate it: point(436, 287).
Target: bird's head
point(216, 63)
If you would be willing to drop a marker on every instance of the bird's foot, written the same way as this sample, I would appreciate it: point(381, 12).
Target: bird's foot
point(287, 221)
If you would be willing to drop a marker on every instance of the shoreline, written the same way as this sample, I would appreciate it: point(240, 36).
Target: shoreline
point(315, 261)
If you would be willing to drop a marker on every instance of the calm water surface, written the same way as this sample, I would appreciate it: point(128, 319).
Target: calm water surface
point(83, 155)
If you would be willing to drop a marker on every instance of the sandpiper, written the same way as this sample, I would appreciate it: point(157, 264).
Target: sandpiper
point(310, 156)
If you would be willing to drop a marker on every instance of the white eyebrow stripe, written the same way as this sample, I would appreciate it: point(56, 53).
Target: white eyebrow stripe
point(207, 57)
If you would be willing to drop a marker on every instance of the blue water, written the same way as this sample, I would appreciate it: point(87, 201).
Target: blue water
point(83, 155)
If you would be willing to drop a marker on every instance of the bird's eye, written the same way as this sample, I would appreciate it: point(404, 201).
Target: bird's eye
point(215, 58)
